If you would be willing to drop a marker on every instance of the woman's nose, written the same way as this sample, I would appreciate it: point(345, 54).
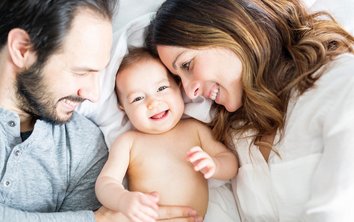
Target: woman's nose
point(193, 89)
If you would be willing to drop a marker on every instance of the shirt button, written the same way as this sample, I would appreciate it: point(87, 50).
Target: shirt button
point(7, 183)
point(11, 123)
point(17, 152)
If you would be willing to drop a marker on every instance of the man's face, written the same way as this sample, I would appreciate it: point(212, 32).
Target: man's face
point(71, 75)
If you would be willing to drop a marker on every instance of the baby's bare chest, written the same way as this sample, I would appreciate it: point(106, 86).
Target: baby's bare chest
point(160, 155)
point(161, 165)
point(173, 148)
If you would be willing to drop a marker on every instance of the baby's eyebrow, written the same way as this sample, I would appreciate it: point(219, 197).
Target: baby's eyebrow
point(162, 81)
point(132, 95)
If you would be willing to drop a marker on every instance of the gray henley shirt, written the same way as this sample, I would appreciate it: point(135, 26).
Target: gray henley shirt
point(51, 175)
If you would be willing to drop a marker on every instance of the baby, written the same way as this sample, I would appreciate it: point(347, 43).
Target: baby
point(167, 159)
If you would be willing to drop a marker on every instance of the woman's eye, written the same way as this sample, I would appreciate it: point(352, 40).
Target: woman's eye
point(161, 88)
point(186, 65)
point(137, 99)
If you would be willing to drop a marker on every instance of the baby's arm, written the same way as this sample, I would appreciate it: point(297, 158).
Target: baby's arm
point(213, 158)
point(137, 206)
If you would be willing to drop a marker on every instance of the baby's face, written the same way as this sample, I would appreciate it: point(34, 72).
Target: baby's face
point(150, 97)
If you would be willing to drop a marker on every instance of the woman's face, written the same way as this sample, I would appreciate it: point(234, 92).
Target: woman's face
point(213, 73)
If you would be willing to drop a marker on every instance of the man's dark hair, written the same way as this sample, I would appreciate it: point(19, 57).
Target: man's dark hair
point(46, 21)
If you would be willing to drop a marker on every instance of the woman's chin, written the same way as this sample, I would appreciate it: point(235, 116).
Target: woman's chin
point(231, 107)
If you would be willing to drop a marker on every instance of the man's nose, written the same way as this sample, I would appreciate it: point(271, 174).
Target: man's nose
point(90, 89)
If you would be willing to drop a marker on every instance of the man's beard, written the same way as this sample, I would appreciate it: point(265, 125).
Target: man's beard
point(36, 99)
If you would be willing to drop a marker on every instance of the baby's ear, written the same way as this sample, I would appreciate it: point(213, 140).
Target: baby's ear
point(118, 100)
point(121, 107)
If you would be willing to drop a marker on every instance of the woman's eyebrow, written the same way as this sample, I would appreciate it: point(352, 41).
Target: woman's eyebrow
point(175, 61)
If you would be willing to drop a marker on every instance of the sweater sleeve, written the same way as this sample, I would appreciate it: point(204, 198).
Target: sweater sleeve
point(13, 215)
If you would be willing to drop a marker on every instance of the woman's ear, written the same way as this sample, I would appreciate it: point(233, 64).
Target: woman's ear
point(20, 48)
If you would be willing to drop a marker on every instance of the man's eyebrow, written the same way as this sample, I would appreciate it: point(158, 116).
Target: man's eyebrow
point(84, 68)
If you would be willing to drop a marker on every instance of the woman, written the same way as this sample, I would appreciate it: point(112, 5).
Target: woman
point(281, 80)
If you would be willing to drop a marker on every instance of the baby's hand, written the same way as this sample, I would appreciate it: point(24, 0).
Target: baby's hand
point(201, 161)
point(139, 207)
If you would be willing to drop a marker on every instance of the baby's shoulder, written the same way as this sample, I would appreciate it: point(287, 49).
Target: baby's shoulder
point(194, 124)
point(127, 137)
point(191, 122)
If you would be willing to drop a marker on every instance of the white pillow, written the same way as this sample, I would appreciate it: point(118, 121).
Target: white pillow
point(129, 23)
point(343, 11)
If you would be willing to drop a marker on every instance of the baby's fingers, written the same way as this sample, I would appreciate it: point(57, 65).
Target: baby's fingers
point(209, 173)
point(196, 156)
point(150, 201)
point(142, 208)
point(206, 166)
point(194, 149)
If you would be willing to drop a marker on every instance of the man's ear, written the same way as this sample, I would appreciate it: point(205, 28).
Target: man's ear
point(20, 48)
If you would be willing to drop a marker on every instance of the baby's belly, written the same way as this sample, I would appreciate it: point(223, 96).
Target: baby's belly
point(177, 188)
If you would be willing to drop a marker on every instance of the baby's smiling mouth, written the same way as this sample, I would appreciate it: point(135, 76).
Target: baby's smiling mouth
point(160, 115)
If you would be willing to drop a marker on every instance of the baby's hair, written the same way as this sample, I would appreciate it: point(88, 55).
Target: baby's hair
point(136, 55)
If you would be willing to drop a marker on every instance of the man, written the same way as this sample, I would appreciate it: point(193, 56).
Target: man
point(51, 56)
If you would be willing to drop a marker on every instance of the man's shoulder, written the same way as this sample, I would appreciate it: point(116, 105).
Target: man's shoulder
point(85, 144)
point(83, 131)
point(78, 118)
point(82, 123)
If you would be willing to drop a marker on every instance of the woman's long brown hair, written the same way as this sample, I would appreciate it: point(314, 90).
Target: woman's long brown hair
point(283, 48)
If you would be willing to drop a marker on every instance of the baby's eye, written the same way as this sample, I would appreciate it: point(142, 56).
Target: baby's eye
point(137, 99)
point(81, 73)
point(186, 66)
point(161, 88)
